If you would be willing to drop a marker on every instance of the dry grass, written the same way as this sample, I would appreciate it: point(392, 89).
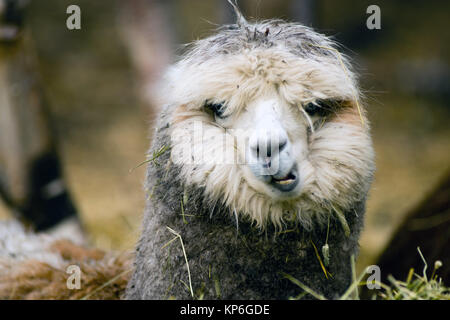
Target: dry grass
point(415, 287)
point(104, 276)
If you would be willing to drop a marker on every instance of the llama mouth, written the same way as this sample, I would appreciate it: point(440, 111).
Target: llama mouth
point(286, 183)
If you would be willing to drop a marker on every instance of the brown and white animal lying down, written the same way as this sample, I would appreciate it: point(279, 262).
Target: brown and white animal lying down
point(261, 164)
point(35, 266)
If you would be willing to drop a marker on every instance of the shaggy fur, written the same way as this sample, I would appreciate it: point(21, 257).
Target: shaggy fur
point(34, 266)
point(238, 239)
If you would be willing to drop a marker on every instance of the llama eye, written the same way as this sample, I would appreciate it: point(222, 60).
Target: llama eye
point(320, 108)
point(218, 109)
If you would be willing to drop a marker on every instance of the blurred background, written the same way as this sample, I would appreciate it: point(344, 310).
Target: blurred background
point(97, 84)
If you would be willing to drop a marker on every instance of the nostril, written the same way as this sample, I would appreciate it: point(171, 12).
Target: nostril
point(263, 151)
point(268, 146)
point(282, 145)
point(264, 148)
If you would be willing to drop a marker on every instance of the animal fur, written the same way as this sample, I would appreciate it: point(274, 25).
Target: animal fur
point(211, 229)
point(34, 266)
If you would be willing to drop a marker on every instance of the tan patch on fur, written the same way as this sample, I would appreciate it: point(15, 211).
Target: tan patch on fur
point(350, 114)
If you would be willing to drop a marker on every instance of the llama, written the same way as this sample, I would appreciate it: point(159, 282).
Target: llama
point(282, 103)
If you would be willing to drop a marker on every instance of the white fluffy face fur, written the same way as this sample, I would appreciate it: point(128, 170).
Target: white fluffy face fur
point(273, 135)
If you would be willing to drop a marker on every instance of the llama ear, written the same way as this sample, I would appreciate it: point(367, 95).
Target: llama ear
point(240, 20)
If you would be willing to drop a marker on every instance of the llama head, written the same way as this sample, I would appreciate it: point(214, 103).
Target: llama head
point(266, 120)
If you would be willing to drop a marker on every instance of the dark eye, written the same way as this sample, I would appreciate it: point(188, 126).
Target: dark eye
point(217, 108)
point(320, 108)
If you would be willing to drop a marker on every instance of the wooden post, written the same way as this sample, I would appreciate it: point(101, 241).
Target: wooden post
point(31, 179)
point(147, 34)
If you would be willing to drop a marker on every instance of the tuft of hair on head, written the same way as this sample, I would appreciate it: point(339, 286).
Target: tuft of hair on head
point(240, 20)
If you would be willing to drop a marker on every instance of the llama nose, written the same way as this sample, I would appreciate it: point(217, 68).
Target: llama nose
point(265, 147)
